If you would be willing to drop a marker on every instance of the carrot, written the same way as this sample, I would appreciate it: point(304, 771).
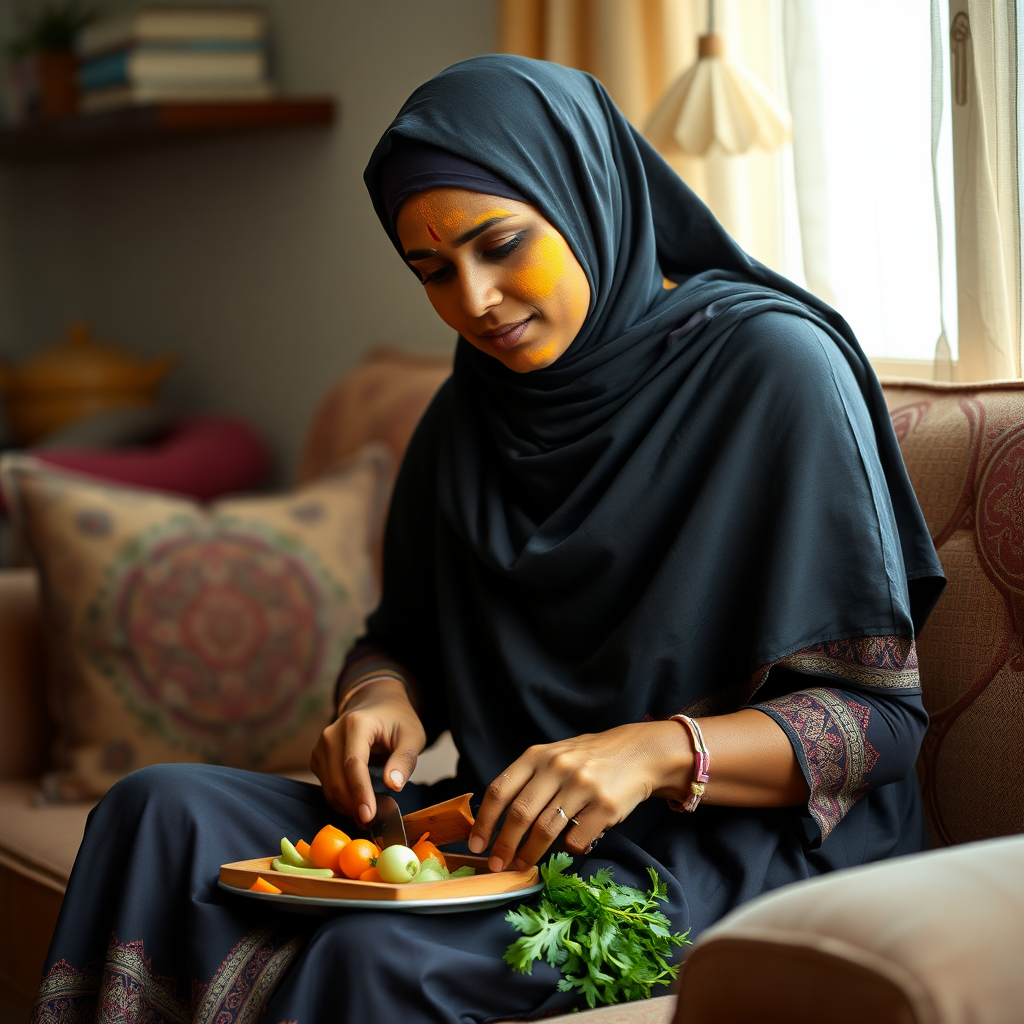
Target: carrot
point(262, 885)
point(424, 850)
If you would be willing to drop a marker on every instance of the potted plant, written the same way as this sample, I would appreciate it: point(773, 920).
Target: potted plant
point(42, 60)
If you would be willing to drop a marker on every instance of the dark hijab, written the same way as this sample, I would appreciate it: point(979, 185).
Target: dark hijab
point(704, 483)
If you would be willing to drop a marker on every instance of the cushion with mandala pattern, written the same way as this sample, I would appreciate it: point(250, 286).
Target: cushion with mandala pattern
point(182, 632)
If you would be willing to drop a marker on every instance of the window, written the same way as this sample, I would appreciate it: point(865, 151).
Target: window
point(879, 205)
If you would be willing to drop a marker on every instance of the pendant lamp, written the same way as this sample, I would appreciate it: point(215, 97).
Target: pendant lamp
point(717, 100)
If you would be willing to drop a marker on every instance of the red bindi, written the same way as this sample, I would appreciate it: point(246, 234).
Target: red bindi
point(433, 234)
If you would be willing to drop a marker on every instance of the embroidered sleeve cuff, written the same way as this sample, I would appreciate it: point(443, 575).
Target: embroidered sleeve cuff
point(828, 731)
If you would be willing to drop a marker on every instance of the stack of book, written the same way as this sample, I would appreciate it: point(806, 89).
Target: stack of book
point(173, 53)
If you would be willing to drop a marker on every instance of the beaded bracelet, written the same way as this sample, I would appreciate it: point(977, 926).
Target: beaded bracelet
point(701, 765)
point(363, 683)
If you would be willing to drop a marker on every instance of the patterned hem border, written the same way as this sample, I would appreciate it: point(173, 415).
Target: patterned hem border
point(124, 988)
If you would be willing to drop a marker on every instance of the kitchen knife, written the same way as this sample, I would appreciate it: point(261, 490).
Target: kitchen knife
point(387, 828)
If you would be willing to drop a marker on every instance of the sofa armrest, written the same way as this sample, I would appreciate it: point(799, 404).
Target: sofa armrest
point(930, 939)
point(24, 722)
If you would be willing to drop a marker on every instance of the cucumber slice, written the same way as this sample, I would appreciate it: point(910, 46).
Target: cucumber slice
point(290, 869)
point(292, 856)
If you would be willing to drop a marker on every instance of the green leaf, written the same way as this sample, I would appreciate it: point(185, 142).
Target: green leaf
point(607, 940)
point(543, 935)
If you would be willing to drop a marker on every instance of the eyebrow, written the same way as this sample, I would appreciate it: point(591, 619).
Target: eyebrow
point(423, 254)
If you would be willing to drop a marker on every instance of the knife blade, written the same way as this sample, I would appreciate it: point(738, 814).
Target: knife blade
point(387, 828)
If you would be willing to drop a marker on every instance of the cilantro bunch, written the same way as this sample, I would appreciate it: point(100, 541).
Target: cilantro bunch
point(608, 940)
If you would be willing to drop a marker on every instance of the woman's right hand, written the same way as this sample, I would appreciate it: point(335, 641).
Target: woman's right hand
point(379, 719)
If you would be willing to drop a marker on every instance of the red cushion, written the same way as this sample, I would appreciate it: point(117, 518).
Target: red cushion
point(200, 457)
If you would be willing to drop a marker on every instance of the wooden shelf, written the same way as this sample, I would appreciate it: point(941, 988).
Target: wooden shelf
point(157, 123)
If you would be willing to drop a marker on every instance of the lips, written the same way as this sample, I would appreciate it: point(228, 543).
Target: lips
point(506, 335)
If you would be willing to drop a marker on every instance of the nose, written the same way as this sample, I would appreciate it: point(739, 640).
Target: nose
point(480, 292)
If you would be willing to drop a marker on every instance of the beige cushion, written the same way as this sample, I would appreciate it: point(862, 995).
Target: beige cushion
point(182, 633)
point(39, 840)
point(382, 399)
point(931, 939)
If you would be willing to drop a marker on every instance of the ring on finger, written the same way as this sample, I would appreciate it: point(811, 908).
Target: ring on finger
point(565, 817)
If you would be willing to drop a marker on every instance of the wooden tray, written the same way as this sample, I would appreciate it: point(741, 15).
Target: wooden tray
point(484, 883)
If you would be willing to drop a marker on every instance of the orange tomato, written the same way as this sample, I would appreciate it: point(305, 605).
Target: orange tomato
point(303, 847)
point(370, 875)
point(424, 850)
point(357, 856)
point(262, 885)
point(326, 845)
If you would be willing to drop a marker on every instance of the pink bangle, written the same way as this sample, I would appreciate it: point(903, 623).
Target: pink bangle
point(362, 684)
point(702, 763)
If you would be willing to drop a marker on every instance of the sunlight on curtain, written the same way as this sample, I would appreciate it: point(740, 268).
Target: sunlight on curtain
point(864, 181)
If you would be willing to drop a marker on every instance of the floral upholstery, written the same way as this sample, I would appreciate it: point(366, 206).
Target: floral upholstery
point(964, 450)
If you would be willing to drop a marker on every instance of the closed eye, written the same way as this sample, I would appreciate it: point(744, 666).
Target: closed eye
point(507, 249)
point(437, 275)
point(498, 253)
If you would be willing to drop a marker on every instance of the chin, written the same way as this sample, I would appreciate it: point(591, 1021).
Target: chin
point(526, 358)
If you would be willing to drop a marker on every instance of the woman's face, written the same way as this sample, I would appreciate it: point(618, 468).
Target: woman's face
point(497, 272)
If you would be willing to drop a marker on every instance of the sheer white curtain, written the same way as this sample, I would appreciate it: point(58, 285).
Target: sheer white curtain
point(860, 90)
point(907, 174)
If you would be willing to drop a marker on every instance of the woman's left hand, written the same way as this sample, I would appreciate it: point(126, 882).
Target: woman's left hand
point(580, 786)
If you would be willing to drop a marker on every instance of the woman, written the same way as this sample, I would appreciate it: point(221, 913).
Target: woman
point(629, 501)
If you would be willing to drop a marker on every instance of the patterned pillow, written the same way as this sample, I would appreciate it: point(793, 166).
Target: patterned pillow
point(178, 632)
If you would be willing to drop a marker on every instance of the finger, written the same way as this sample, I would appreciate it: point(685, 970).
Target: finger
point(550, 824)
point(499, 795)
point(402, 762)
point(585, 828)
point(340, 798)
point(356, 773)
point(523, 813)
point(325, 763)
point(319, 764)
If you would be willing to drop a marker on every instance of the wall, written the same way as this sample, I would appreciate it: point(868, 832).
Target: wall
point(257, 259)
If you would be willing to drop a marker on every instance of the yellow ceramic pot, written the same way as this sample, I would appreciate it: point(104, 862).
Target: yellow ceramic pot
point(77, 377)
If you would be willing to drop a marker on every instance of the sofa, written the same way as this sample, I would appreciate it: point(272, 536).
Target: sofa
point(964, 449)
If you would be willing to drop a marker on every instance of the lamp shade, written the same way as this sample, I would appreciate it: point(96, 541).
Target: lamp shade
point(717, 100)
